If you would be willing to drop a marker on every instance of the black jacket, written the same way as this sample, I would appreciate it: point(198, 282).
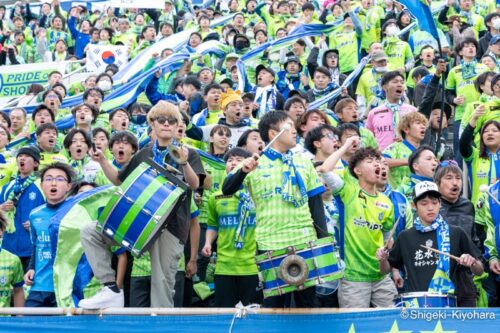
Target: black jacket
point(460, 214)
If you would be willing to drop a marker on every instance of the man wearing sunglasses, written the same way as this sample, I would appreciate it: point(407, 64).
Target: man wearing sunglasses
point(164, 119)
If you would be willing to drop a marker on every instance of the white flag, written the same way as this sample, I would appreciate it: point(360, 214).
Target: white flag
point(100, 56)
point(138, 4)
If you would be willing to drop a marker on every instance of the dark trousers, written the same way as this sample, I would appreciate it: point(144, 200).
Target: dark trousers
point(140, 289)
point(303, 299)
point(202, 261)
point(327, 301)
point(231, 289)
point(41, 299)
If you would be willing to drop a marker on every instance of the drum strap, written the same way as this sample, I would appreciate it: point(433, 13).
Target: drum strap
point(440, 282)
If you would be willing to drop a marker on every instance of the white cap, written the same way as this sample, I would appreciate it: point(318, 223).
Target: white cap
point(423, 188)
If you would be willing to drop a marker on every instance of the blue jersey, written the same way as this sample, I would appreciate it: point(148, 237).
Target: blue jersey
point(19, 242)
point(40, 220)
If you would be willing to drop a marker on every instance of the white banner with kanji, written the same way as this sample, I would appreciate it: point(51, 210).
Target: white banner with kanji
point(100, 56)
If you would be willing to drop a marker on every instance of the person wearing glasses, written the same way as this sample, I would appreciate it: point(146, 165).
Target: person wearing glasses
point(164, 119)
point(56, 183)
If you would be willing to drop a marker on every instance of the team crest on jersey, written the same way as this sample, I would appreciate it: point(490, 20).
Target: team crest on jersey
point(3, 280)
point(402, 208)
point(380, 216)
point(32, 196)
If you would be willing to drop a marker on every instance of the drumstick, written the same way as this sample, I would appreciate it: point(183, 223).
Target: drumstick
point(286, 127)
point(486, 189)
point(391, 233)
point(440, 252)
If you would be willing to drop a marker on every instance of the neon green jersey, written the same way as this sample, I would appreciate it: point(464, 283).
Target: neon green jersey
point(223, 216)
point(217, 178)
point(280, 223)
point(464, 87)
point(368, 85)
point(362, 219)
point(346, 42)
point(371, 26)
point(399, 150)
point(481, 171)
point(398, 53)
point(492, 108)
point(11, 276)
point(484, 217)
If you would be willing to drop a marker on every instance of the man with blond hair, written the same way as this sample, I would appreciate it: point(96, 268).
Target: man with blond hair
point(164, 119)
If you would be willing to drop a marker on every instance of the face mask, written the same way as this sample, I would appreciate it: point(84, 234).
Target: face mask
point(392, 31)
point(496, 24)
point(104, 85)
point(240, 45)
point(381, 69)
point(139, 119)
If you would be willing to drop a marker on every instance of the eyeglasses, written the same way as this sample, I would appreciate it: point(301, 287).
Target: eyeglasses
point(95, 95)
point(331, 56)
point(331, 136)
point(448, 163)
point(52, 96)
point(162, 120)
point(58, 179)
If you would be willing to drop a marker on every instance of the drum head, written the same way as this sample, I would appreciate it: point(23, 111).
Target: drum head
point(294, 270)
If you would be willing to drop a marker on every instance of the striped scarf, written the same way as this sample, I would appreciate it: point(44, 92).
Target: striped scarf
point(292, 180)
point(245, 205)
point(20, 185)
point(440, 282)
point(468, 69)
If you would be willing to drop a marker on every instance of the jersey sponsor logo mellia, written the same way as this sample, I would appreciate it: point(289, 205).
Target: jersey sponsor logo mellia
point(365, 224)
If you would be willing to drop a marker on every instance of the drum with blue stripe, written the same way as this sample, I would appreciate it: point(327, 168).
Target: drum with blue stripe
point(426, 300)
point(299, 267)
point(136, 214)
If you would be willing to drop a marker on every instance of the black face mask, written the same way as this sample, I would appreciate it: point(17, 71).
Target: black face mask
point(241, 44)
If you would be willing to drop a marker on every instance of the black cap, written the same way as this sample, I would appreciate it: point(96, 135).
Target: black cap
point(447, 108)
point(293, 59)
point(32, 151)
point(263, 68)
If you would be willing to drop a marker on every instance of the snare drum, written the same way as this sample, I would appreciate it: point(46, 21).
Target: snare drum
point(426, 300)
point(137, 213)
point(299, 267)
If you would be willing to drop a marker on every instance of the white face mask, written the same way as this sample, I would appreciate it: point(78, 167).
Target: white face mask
point(104, 85)
point(392, 31)
point(496, 24)
point(381, 69)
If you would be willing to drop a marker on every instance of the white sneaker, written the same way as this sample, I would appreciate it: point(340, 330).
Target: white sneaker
point(105, 298)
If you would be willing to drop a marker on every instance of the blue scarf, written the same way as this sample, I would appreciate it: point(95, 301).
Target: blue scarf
point(266, 98)
point(440, 282)
point(495, 215)
point(494, 163)
point(202, 120)
point(395, 109)
point(468, 69)
point(159, 155)
point(245, 205)
point(20, 185)
point(292, 180)
point(320, 93)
